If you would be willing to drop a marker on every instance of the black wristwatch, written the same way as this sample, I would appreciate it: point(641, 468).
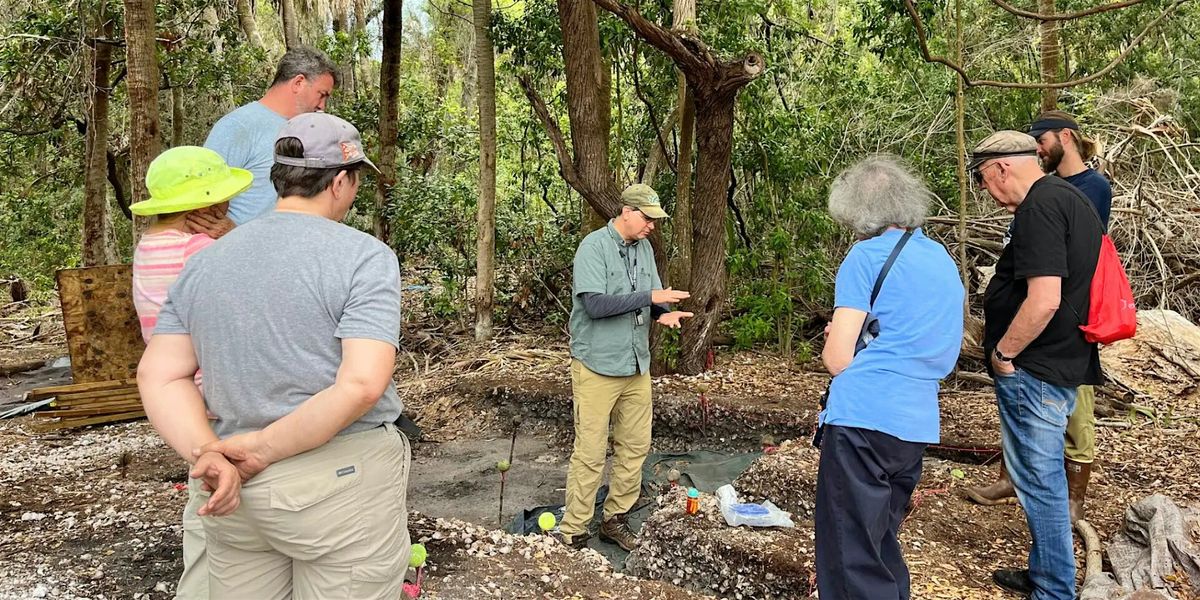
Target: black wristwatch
point(1000, 355)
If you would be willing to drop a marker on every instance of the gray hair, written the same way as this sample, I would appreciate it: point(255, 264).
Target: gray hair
point(306, 61)
point(876, 192)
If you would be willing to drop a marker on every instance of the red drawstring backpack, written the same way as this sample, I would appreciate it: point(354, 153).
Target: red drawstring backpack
point(1112, 315)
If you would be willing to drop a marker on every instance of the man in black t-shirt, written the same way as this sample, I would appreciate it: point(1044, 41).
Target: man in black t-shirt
point(1038, 355)
point(1063, 149)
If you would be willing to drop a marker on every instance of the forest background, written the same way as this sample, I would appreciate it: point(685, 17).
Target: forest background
point(505, 130)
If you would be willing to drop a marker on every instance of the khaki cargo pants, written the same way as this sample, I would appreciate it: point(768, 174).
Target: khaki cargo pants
point(600, 400)
point(1081, 427)
point(327, 524)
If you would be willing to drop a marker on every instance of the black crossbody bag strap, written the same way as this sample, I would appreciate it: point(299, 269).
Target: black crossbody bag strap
point(887, 266)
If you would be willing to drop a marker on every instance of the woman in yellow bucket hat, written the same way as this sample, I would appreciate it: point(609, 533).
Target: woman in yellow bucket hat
point(181, 181)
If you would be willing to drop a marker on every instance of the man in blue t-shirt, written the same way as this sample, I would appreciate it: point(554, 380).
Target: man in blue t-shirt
point(245, 137)
point(1063, 150)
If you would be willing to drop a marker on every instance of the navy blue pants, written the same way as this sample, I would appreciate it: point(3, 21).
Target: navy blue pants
point(864, 483)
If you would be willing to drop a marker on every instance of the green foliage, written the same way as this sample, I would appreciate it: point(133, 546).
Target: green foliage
point(843, 79)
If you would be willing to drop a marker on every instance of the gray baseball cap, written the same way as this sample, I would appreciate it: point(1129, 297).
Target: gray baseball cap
point(329, 142)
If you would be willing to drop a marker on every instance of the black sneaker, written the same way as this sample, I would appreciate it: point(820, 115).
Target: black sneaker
point(1016, 581)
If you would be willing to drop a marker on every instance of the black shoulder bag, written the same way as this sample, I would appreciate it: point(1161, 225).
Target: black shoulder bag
point(870, 327)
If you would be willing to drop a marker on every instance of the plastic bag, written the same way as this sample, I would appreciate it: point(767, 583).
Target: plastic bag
point(755, 515)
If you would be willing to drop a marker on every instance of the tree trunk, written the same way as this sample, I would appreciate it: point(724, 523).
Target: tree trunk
point(1051, 53)
point(176, 116)
point(291, 27)
point(95, 246)
point(246, 20)
point(142, 86)
point(588, 104)
point(714, 140)
point(681, 223)
point(389, 99)
point(485, 262)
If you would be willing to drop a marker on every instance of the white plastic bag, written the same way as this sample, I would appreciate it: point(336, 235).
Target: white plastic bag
point(755, 515)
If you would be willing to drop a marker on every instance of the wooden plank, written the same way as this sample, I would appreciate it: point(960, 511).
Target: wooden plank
point(71, 423)
point(72, 413)
point(97, 402)
point(97, 395)
point(71, 388)
point(104, 337)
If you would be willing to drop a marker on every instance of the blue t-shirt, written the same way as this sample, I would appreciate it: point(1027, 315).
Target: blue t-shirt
point(245, 138)
point(891, 386)
point(1097, 188)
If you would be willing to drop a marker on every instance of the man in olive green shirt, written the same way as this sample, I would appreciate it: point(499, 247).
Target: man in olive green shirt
point(616, 294)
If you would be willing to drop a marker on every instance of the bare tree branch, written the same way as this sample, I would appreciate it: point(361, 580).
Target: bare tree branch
point(655, 35)
point(566, 164)
point(1065, 16)
point(919, 24)
point(641, 94)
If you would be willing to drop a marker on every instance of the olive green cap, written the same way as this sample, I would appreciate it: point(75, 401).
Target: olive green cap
point(645, 199)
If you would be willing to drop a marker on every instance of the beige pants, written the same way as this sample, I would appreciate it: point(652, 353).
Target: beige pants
point(600, 400)
point(1081, 427)
point(193, 584)
point(327, 524)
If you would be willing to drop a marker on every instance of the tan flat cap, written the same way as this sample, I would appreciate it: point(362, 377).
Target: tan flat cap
point(1002, 143)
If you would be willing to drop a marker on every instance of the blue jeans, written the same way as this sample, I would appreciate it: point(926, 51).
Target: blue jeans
point(1033, 418)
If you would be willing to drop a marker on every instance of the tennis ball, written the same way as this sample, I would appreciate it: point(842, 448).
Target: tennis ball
point(418, 556)
point(547, 521)
point(503, 466)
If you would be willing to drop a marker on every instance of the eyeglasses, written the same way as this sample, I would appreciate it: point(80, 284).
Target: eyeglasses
point(648, 220)
point(977, 173)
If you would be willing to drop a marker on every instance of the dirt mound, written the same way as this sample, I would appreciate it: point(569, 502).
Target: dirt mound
point(469, 562)
point(786, 477)
point(701, 552)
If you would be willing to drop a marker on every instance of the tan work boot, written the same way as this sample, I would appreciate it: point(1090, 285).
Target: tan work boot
point(1078, 475)
point(617, 531)
point(1000, 492)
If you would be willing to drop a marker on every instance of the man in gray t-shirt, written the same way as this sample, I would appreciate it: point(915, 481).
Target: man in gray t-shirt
point(296, 321)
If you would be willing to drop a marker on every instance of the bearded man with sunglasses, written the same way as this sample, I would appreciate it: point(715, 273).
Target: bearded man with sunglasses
point(616, 293)
point(1038, 355)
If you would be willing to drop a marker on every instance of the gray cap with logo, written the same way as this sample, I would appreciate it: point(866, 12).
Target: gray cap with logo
point(329, 142)
point(1000, 144)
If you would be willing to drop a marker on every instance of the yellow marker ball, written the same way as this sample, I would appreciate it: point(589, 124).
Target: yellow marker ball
point(418, 555)
point(547, 521)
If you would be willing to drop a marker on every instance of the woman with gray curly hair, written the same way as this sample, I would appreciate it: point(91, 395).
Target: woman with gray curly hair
point(896, 331)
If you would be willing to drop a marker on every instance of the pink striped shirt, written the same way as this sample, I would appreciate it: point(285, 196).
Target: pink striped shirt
point(157, 262)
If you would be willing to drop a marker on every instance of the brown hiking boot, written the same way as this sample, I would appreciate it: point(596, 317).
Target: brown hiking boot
point(1078, 475)
point(616, 530)
point(1000, 492)
point(578, 541)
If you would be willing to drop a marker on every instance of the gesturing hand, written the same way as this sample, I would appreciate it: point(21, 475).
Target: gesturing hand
point(671, 319)
point(222, 479)
point(669, 296)
point(247, 451)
